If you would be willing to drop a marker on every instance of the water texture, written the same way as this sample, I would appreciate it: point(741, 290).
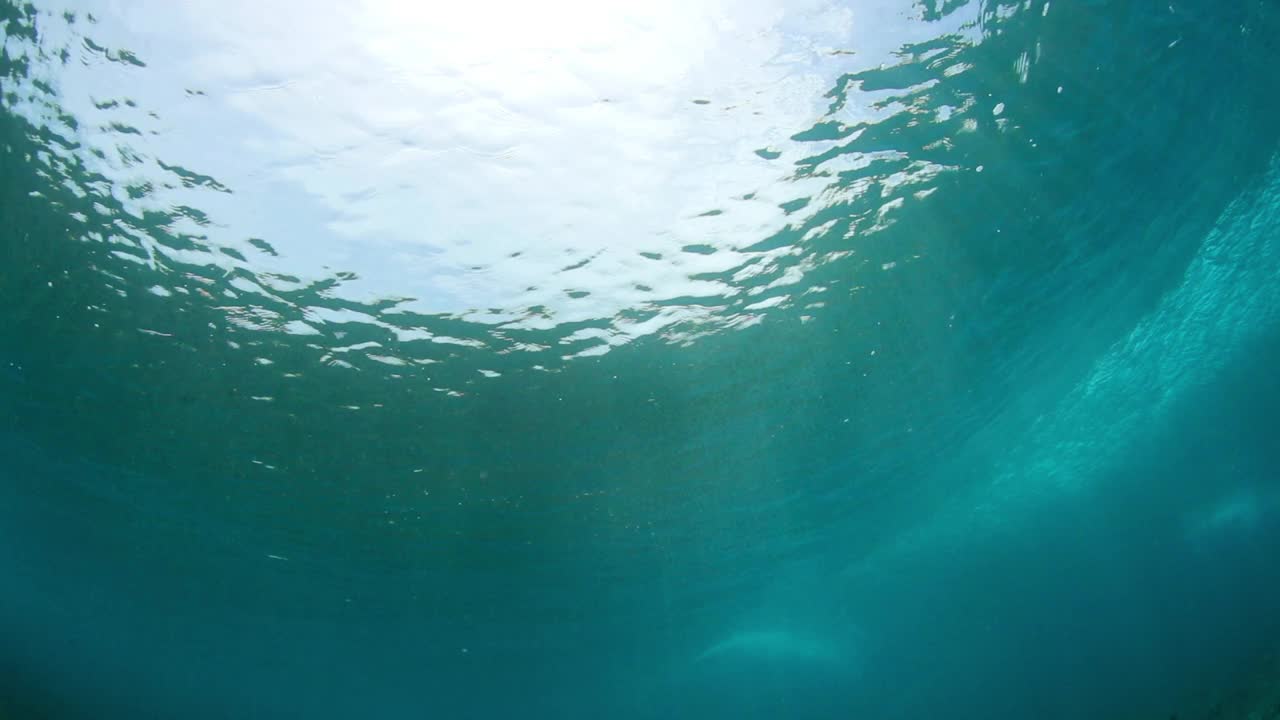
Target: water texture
point(879, 359)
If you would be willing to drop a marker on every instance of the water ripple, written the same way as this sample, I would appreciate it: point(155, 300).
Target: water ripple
point(395, 187)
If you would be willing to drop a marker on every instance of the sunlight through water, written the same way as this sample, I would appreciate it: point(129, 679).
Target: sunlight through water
point(821, 359)
point(465, 176)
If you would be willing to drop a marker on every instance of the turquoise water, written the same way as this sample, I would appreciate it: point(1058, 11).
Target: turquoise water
point(876, 359)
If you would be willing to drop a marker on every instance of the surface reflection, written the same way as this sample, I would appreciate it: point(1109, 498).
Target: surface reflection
point(556, 181)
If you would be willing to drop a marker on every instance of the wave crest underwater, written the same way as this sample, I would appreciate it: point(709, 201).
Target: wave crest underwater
point(815, 359)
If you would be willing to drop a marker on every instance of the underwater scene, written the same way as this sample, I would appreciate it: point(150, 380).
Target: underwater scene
point(884, 359)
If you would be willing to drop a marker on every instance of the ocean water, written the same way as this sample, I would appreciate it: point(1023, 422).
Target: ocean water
point(863, 359)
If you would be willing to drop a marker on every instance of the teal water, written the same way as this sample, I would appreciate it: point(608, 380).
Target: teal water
point(876, 359)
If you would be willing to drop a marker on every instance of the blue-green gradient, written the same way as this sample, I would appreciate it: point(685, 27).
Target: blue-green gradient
point(943, 385)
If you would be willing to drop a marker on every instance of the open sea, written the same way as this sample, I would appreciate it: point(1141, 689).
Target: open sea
point(693, 359)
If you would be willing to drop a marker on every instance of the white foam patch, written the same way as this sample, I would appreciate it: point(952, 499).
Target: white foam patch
point(771, 645)
point(1230, 293)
